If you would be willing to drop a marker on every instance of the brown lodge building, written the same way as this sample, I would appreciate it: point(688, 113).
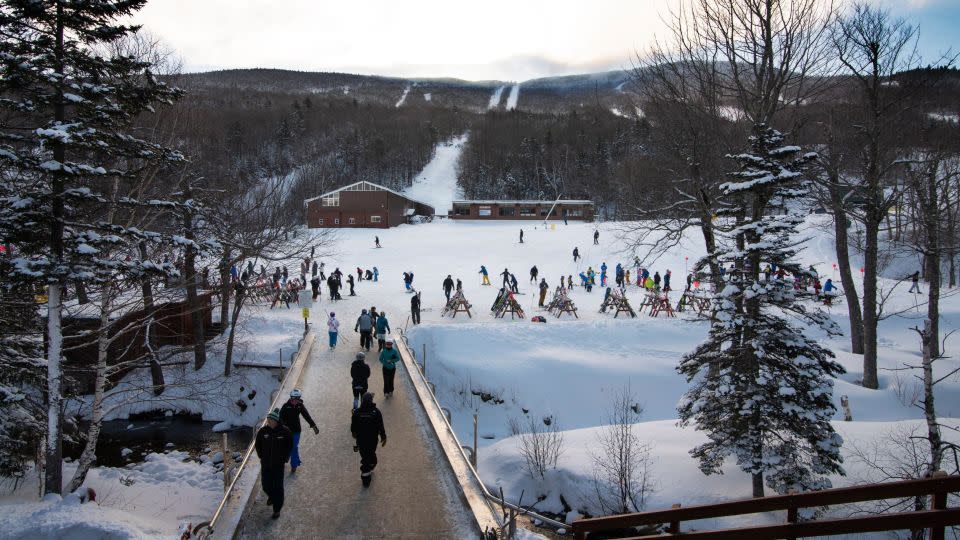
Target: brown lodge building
point(363, 204)
point(579, 210)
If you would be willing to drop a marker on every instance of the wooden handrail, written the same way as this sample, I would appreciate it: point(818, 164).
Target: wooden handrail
point(890, 490)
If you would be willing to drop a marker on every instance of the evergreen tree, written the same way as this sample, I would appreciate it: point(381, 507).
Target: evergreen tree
point(761, 389)
point(65, 150)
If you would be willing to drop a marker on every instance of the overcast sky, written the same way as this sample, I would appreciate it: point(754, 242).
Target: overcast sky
point(493, 39)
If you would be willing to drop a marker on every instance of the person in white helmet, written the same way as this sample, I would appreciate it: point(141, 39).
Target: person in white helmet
point(290, 414)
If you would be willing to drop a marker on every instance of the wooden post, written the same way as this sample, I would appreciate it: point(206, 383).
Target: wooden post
point(792, 511)
point(475, 449)
point(674, 525)
point(845, 403)
point(939, 502)
point(226, 468)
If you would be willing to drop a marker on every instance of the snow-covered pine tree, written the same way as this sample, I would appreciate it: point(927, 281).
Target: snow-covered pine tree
point(760, 388)
point(67, 105)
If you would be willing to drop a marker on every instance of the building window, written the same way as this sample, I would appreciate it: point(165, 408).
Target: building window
point(484, 211)
point(331, 200)
point(320, 221)
point(528, 211)
point(375, 219)
point(508, 211)
point(574, 212)
point(336, 221)
point(544, 212)
point(352, 221)
point(462, 210)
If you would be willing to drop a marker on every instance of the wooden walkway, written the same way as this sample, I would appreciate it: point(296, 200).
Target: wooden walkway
point(413, 493)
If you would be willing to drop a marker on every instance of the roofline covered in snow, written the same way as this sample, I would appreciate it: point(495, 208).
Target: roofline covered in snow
point(560, 202)
point(305, 201)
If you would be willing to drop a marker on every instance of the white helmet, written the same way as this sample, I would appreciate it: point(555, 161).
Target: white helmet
point(296, 393)
point(388, 339)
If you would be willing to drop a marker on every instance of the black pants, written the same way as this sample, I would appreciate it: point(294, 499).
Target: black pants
point(359, 391)
point(388, 380)
point(415, 315)
point(368, 459)
point(366, 340)
point(271, 480)
point(447, 293)
point(351, 290)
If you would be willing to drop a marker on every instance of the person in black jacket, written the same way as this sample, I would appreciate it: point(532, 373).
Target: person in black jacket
point(415, 308)
point(448, 286)
point(274, 442)
point(290, 414)
point(366, 425)
point(359, 374)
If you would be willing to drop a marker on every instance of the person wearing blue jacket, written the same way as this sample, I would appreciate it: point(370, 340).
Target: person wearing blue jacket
point(389, 358)
point(383, 326)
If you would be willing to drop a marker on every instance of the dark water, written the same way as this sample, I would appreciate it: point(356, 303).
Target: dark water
point(147, 435)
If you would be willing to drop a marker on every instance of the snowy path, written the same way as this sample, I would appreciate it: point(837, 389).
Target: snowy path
point(436, 184)
point(513, 98)
point(495, 98)
point(324, 499)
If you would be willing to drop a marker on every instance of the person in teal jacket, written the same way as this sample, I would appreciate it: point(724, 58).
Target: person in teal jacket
point(383, 326)
point(389, 357)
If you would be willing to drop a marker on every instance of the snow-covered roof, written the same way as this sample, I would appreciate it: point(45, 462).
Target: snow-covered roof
point(363, 184)
point(560, 202)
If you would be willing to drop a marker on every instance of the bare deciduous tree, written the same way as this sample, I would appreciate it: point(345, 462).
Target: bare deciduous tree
point(541, 444)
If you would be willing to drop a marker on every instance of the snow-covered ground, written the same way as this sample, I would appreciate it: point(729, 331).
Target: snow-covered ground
point(403, 96)
point(436, 184)
point(144, 500)
point(569, 369)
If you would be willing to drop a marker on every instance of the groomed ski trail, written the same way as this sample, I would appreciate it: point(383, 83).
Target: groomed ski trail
point(436, 184)
point(496, 97)
point(514, 97)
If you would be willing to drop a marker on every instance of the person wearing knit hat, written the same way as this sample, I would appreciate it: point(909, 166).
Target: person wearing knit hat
point(274, 443)
point(359, 375)
point(366, 426)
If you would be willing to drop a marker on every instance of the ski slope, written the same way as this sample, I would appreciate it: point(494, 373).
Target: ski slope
point(403, 97)
point(495, 98)
point(436, 184)
point(513, 98)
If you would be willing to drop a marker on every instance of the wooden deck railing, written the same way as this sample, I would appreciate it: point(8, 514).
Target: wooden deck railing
point(936, 518)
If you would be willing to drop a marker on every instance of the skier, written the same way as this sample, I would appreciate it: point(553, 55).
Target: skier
point(334, 288)
point(315, 286)
point(915, 287)
point(388, 359)
point(828, 293)
point(322, 275)
point(543, 290)
point(233, 273)
point(447, 286)
point(376, 241)
point(533, 274)
point(415, 308)
point(486, 276)
point(569, 281)
point(359, 376)
point(313, 271)
point(290, 414)
point(365, 327)
point(459, 285)
point(366, 426)
point(576, 254)
point(383, 326)
point(333, 327)
point(350, 283)
point(286, 276)
point(406, 281)
point(506, 278)
point(513, 284)
point(368, 275)
point(690, 281)
point(359, 274)
point(666, 282)
point(376, 274)
point(521, 236)
point(596, 237)
point(274, 443)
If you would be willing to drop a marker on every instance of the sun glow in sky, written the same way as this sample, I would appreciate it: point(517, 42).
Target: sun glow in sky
point(493, 39)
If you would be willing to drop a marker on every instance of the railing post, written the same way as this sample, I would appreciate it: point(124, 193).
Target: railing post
point(424, 359)
point(792, 512)
point(226, 467)
point(674, 525)
point(938, 502)
point(475, 449)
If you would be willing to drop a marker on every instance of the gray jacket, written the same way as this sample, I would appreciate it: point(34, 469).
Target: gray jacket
point(364, 323)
